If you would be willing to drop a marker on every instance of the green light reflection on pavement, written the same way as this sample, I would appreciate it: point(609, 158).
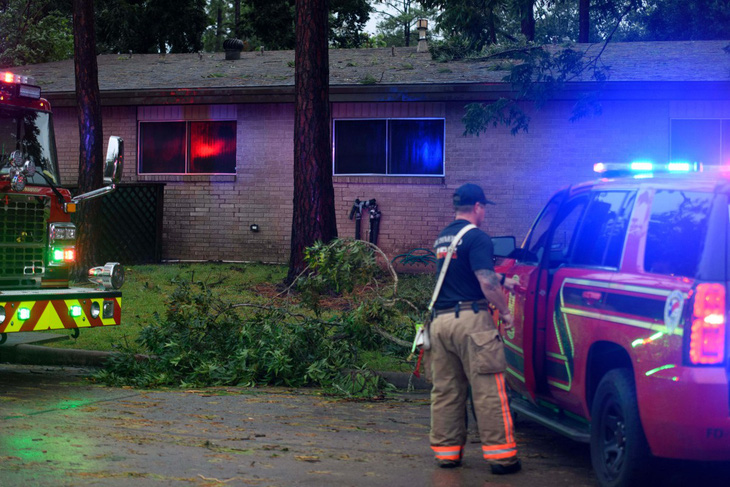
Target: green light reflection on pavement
point(50, 444)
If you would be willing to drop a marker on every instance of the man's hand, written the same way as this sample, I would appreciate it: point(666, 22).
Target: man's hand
point(507, 319)
point(509, 283)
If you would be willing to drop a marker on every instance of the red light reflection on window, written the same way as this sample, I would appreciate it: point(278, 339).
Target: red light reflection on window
point(212, 147)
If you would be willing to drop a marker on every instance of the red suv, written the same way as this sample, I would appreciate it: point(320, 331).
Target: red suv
point(620, 319)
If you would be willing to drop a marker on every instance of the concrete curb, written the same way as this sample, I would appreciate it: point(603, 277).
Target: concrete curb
point(40, 355)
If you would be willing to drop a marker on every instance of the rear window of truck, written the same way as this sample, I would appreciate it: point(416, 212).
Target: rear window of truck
point(677, 231)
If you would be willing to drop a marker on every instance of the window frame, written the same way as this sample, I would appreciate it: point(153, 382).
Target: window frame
point(557, 212)
point(387, 151)
point(186, 149)
point(544, 222)
point(626, 209)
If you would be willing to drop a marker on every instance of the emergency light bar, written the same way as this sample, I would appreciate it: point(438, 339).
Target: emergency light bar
point(19, 79)
point(22, 86)
point(644, 167)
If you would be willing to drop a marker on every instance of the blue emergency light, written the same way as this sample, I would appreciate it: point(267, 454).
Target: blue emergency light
point(680, 167)
point(644, 167)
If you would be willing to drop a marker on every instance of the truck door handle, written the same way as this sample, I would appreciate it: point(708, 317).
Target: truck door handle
point(591, 298)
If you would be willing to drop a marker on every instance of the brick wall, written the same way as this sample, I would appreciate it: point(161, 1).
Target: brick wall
point(208, 217)
point(119, 121)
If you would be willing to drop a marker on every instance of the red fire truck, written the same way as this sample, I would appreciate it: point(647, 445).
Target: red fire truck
point(620, 336)
point(37, 238)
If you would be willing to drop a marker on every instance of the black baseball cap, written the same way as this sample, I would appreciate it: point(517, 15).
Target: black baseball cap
point(469, 194)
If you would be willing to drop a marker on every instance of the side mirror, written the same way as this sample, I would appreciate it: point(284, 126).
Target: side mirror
point(112, 171)
point(503, 246)
point(114, 164)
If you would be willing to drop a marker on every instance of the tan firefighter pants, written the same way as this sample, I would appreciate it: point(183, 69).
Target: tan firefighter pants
point(468, 351)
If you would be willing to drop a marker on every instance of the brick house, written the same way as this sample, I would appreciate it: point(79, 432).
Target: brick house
point(663, 101)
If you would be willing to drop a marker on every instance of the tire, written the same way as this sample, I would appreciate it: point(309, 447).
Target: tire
point(619, 450)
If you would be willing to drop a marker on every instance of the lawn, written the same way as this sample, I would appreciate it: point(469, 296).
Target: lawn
point(148, 288)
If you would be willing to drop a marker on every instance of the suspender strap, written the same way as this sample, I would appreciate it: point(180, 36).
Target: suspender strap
point(447, 260)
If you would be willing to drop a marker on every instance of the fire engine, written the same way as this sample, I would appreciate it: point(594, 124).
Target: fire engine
point(37, 237)
point(620, 336)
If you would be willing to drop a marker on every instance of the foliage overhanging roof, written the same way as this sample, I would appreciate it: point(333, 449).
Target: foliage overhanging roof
point(374, 70)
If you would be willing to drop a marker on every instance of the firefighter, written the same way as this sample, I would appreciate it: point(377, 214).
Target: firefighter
point(466, 349)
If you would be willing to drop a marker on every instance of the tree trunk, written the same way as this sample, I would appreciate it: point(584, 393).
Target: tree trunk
point(91, 158)
point(584, 11)
point(219, 29)
point(528, 19)
point(237, 19)
point(491, 25)
point(314, 202)
point(407, 24)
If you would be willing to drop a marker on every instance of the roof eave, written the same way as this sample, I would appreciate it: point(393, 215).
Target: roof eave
point(440, 92)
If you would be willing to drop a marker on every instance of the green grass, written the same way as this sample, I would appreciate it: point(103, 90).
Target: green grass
point(147, 288)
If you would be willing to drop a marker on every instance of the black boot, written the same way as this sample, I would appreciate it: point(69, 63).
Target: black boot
point(498, 469)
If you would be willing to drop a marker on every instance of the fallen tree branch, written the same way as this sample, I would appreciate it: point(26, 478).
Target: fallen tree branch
point(390, 337)
point(377, 249)
point(376, 328)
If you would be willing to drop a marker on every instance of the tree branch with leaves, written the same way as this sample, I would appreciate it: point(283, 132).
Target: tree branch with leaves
point(536, 74)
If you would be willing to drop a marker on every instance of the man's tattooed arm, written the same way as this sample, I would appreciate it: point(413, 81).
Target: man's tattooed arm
point(492, 290)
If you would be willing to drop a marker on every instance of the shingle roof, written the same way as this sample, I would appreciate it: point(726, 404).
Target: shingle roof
point(695, 61)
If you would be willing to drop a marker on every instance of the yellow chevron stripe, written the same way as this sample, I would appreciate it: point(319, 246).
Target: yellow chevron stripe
point(50, 320)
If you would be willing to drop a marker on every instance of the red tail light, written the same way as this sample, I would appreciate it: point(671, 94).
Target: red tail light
point(707, 335)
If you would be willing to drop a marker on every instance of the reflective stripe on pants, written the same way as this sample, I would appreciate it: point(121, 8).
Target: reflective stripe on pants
point(448, 452)
point(498, 452)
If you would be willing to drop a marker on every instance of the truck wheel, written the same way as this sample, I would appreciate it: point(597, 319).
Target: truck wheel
point(619, 450)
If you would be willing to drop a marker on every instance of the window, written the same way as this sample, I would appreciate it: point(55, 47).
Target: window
point(31, 133)
point(564, 233)
point(539, 235)
point(195, 147)
point(677, 230)
point(360, 146)
point(705, 141)
point(600, 238)
point(395, 147)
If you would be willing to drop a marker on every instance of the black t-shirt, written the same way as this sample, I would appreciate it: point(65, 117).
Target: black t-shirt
point(473, 253)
